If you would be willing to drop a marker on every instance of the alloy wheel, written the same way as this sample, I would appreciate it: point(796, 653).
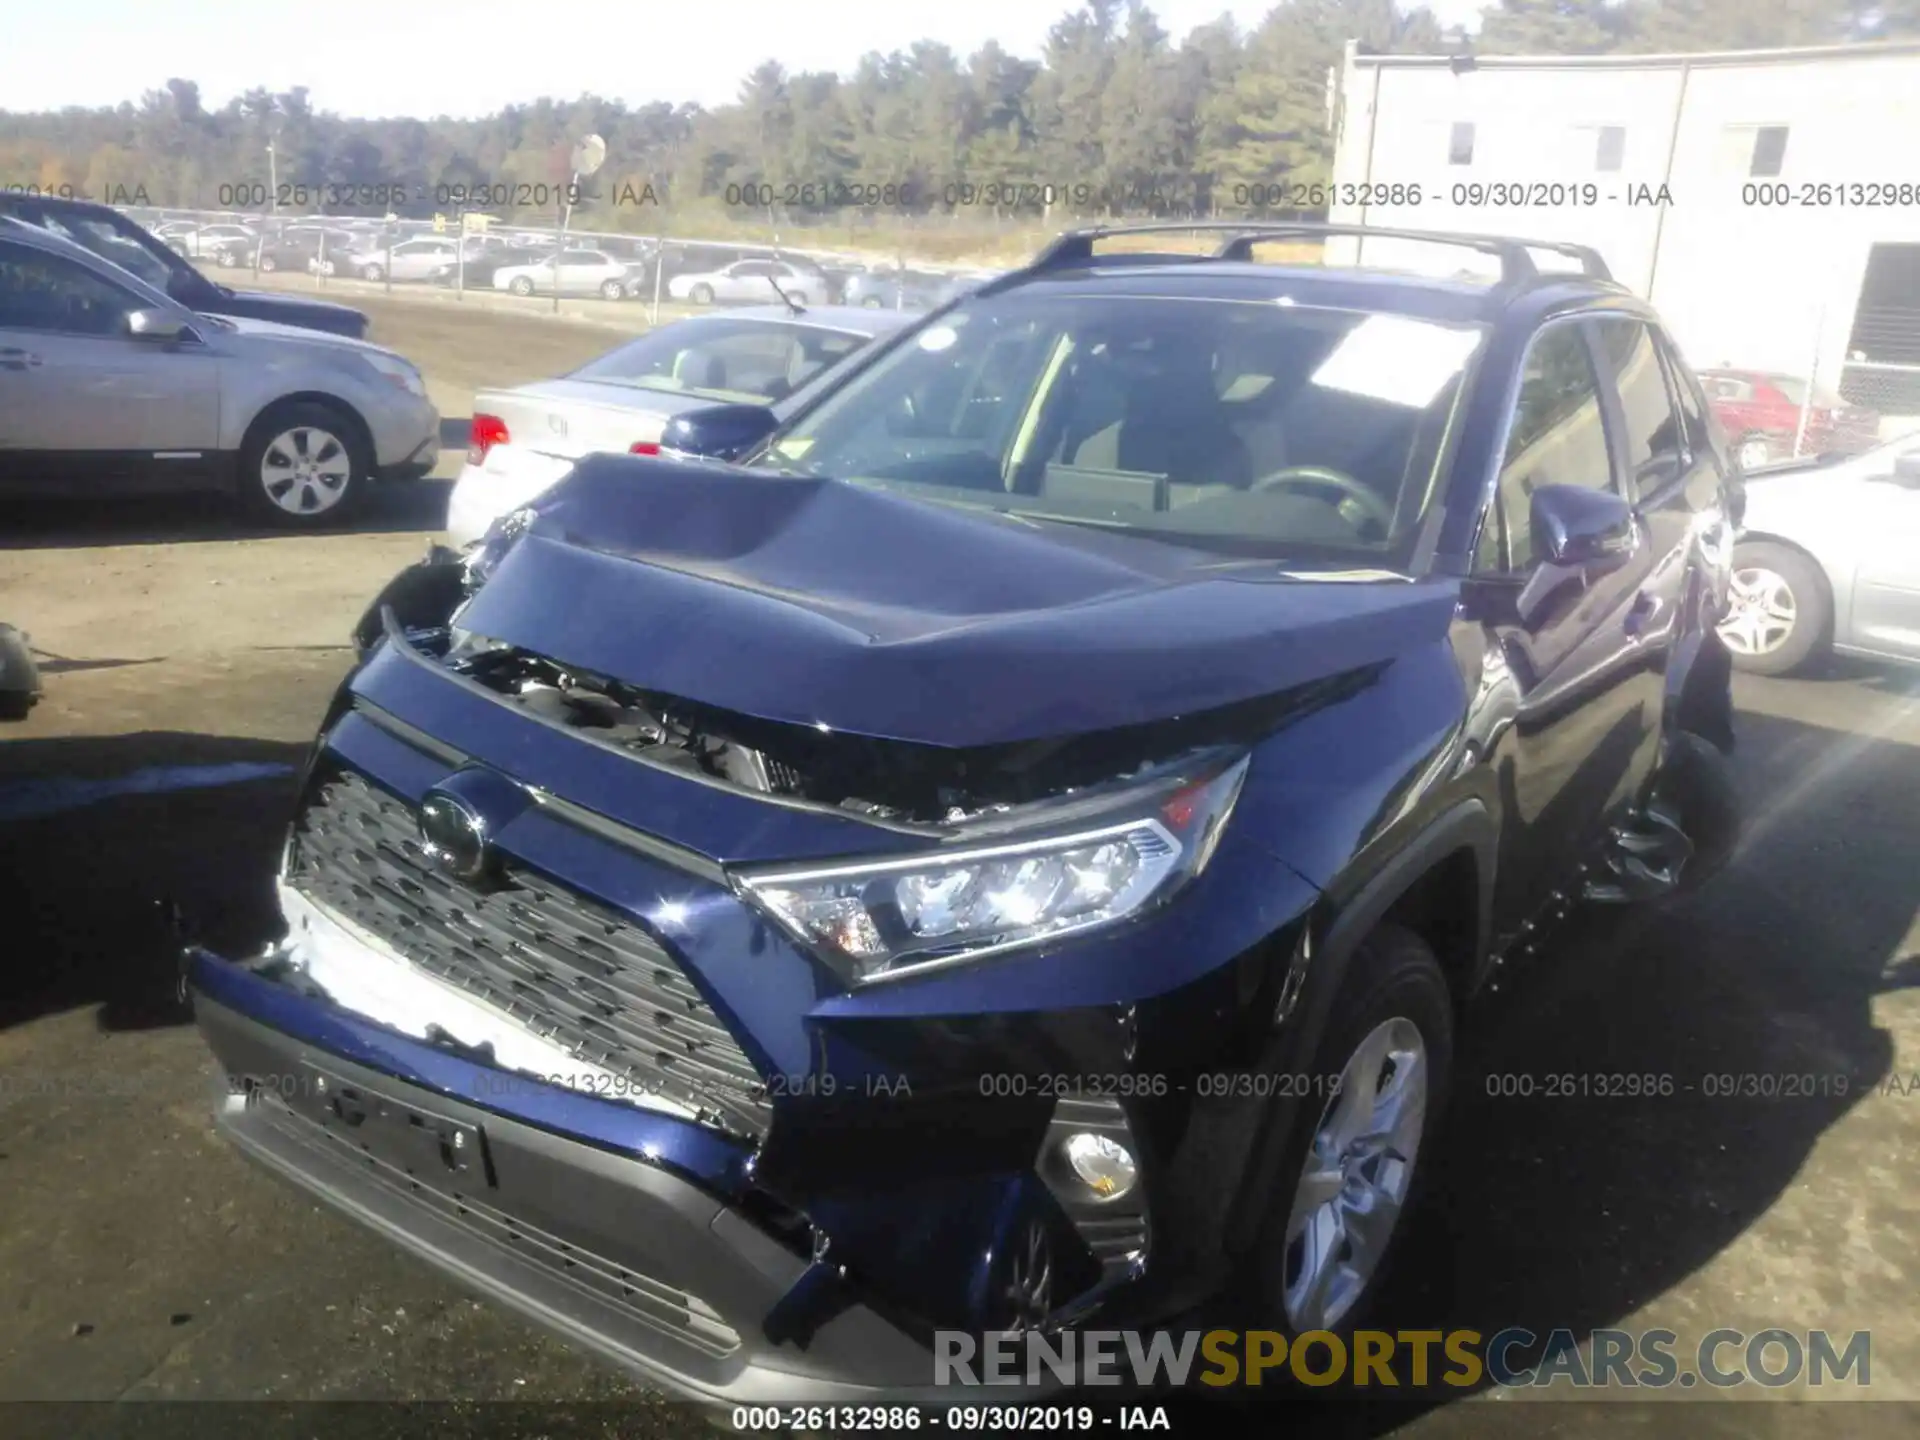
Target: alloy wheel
point(1753, 453)
point(1761, 612)
point(1357, 1176)
point(305, 471)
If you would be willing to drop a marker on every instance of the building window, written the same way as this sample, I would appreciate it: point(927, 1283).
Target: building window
point(1769, 151)
point(1611, 149)
point(1460, 143)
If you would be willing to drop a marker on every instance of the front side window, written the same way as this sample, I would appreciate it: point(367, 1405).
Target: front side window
point(1654, 442)
point(1241, 426)
point(50, 293)
point(744, 361)
point(1557, 437)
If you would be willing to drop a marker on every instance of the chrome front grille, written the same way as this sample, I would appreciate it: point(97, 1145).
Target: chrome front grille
point(578, 973)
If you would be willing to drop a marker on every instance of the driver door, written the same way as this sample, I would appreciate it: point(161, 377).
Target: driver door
point(80, 398)
point(1886, 586)
point(1587, 698)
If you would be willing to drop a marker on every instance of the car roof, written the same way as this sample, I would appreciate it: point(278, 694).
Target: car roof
point(852, 318)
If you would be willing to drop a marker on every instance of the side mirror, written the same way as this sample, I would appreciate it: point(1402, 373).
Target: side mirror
point(161, 325)
point(718, 432)
point(1580, 529)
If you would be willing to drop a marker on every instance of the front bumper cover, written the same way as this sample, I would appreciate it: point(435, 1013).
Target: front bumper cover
point(612, 1249)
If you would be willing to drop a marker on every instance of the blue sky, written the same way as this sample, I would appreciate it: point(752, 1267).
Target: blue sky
point(470, 57)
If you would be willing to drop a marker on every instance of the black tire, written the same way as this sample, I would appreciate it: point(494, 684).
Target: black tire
point(701, 294)
point(521, 286)
point(1813, 609)
point(612, 290)
point(268, 264)
point(872, 302)
point(372, 272)
point(278, 420)
point(1393, 975)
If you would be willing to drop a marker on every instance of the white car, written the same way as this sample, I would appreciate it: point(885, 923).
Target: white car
point(526, 438)
point(408, 260)
point(751, 282)
point(573, 271)
point(1828, 559)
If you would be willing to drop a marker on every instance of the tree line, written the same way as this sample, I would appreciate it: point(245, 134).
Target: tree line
point(1115, 115)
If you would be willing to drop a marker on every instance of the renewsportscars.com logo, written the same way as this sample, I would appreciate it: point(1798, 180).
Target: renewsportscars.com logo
point(1411, 1359)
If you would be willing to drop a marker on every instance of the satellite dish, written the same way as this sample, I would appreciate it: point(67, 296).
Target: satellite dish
point(589, 155)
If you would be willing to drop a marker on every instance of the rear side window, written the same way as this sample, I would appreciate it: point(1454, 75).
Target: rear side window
point(1557, 437)
point(1654, 448)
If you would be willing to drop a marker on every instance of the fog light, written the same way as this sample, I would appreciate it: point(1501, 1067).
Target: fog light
point(1103, 1165)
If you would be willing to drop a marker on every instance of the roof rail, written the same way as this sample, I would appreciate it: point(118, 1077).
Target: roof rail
point(1075, 247)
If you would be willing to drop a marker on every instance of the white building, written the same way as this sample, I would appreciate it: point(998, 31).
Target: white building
point(1768, 202)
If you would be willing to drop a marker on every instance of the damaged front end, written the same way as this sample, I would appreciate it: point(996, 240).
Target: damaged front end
point(781, 1044)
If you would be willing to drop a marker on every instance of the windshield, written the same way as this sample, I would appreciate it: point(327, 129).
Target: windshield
point(1246, 426)
point(745, 361)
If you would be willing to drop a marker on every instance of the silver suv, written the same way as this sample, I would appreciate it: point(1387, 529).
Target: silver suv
point(106, 384)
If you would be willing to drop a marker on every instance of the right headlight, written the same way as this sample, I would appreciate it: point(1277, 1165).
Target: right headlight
point(878, 920)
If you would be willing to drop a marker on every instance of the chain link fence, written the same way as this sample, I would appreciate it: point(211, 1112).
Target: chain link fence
point(476, 255)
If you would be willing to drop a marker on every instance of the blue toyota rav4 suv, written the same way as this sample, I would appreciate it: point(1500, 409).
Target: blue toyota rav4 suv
point(1011, 842)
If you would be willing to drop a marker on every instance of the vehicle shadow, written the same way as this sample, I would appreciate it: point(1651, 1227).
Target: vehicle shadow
point(99, 835)
point(1560, 1200)
point(46, 524)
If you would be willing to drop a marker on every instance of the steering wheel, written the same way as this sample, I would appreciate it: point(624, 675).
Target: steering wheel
point(1306, 477)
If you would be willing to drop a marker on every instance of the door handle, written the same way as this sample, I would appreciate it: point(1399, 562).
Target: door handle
point(1645, 606)
point(12, 357)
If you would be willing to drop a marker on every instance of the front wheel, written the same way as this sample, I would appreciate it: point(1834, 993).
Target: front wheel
point(701, 295)
point(1348, 1175)
point(372, 272)
point(1778, 614)
point(268, 264)
point(1753, 451)
point(521, 286)
point(303, 465)
point(612, 290)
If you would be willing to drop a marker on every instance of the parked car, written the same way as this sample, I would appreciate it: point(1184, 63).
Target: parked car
point(483, 265)
point(114, 237)
point(898, 289)
point(1012, 851)
point(1761, 411)
point(527, 437)
point(420, 259)
point(750, 282)
point(305, 247)
point(108, 385)
point(572, 271)
point(1828, 561)
point(210, 242)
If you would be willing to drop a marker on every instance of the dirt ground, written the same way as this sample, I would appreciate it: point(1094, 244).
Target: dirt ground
point(139, 1258)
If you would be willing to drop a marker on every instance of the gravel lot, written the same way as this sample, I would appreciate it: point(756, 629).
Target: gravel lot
point(139, 1258)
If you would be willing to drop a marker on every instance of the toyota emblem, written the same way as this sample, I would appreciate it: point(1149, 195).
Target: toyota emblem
point(453, 835)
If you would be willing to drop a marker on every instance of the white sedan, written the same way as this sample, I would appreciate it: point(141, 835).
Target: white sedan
point(573, 272)
point(526, 438)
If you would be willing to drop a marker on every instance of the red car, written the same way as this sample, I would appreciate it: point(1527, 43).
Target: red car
point(1760, 412)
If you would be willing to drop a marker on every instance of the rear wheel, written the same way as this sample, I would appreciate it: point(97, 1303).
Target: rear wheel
point(304, 465)
point(268, 264)
point(372, 272)
point(1349, 1174)
point(612, 290)
point(1778, 614)
point(701, 295)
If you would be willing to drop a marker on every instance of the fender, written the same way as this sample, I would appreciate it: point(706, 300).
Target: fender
point(1320, 965)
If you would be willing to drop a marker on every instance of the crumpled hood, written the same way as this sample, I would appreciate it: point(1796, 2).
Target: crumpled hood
point(828, 604)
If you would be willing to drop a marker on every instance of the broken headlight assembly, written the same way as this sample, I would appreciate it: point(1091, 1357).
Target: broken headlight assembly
point(502, 535)
point(883, 919)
